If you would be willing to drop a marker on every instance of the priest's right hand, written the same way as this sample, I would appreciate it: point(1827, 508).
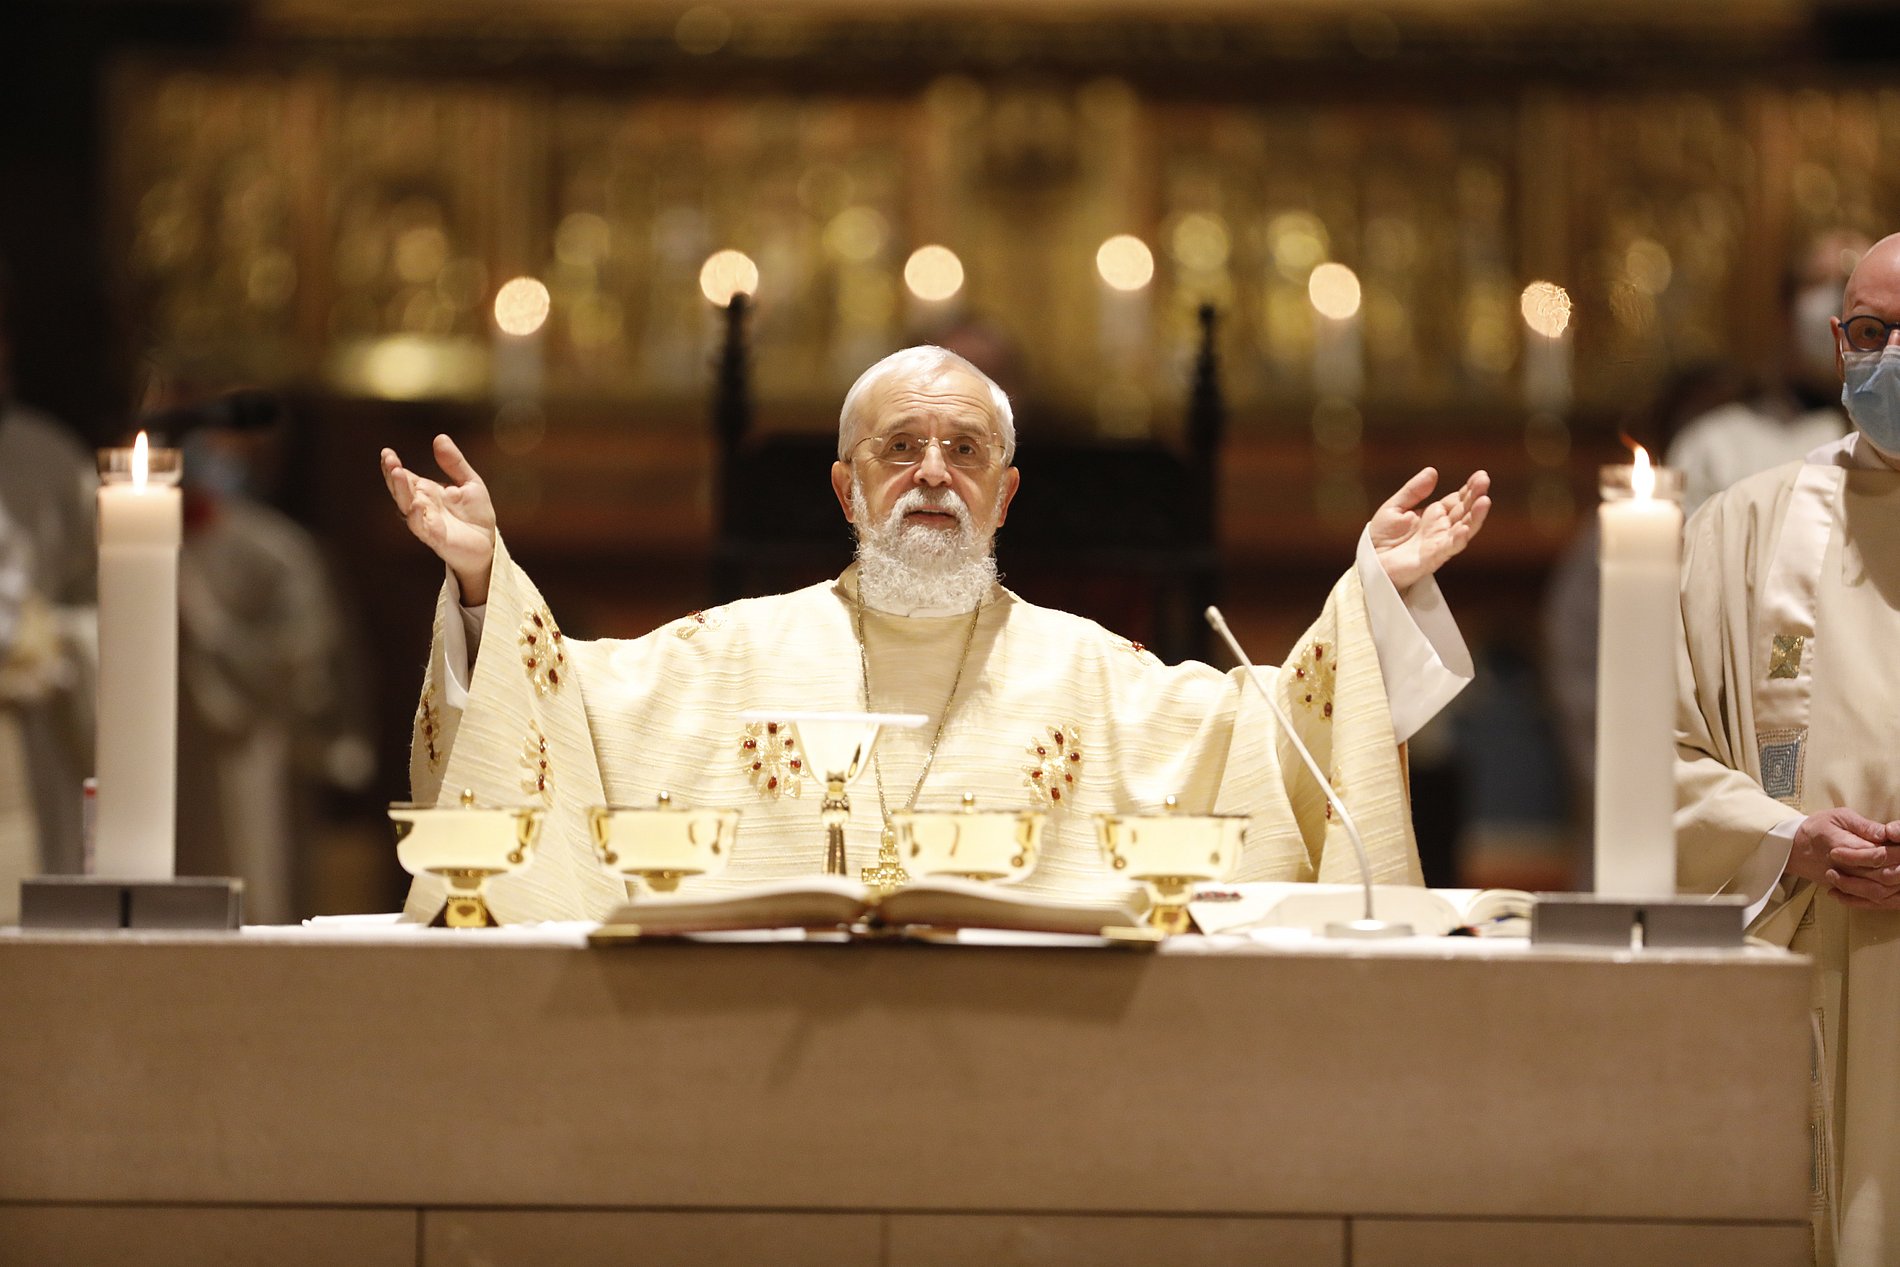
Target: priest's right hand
point(456, 519)
point(1850, 855)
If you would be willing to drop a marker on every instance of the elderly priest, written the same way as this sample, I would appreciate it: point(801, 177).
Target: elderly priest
point(1026, 707)
point(1785, 770)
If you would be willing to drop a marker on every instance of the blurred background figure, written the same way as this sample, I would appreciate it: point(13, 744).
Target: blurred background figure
point(48, 636)
point(273, 710)
point(1788, 409)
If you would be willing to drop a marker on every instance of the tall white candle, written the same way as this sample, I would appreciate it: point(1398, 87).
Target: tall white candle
point(1641, 522)
point(140, 523)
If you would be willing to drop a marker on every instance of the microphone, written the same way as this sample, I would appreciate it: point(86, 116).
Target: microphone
point(1366, 926)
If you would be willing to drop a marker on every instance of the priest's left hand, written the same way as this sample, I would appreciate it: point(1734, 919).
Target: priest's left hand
point(1412, 543)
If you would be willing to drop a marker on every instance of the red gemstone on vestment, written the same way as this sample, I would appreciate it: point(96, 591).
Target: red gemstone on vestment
point(796, 765)
point(1068, 778)
point(1041, 751)
point(1058, 737)
point(1055, 793)
point(758, 765)
point(1075, 756)
point(772, 782)
point(771, 728)
point(1035, 774)
point(750, 744)
point(554, 679)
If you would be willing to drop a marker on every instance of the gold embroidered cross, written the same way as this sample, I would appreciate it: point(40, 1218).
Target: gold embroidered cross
point(888, 875)
point(1784, 659)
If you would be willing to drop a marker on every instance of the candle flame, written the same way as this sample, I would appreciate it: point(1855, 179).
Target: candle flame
point(141, 462)
point(1642, 476)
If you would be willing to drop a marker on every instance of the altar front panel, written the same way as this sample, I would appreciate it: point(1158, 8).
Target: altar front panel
point(1311, 1091)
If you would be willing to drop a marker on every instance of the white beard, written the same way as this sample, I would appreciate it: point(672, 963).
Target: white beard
point(904, 567)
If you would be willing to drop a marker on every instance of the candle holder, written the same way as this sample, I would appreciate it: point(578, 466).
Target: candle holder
point(1623, 483)
point(164, 467)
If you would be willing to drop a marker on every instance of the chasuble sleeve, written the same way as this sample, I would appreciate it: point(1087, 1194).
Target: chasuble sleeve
point(1723, 813)
point(1333, 690)
point(522, 737)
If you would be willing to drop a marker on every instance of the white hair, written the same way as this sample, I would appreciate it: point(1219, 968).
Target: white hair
point(925, 362)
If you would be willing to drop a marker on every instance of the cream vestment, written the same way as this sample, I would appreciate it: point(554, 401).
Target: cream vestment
point(1053, 711)
point(1790, 610)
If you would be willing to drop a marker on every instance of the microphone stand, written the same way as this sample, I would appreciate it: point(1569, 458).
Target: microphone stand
point(1366, 926)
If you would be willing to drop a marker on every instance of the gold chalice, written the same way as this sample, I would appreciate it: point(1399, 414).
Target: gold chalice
point(467, 845)
point(1169, 853)
point(998, 845)
point(837, 747)
point(663, 843)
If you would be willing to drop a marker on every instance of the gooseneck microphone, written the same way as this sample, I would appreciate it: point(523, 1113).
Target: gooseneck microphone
point(1366, 926)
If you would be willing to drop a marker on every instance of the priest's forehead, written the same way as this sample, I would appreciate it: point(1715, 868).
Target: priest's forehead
point(1875, 286)
point(950, 399)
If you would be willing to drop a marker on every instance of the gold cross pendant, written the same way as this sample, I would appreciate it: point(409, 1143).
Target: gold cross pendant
point(889, 874)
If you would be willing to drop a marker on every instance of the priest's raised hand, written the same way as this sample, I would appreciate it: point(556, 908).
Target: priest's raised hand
point(455, 519)
point(1412, 543)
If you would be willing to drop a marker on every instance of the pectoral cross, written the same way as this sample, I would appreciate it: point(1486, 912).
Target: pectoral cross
point(889, 874)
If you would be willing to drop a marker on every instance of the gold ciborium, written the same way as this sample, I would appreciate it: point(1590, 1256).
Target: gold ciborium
point(663, 843)
point(998, 845)
point(1169, 853)
point(467, 845)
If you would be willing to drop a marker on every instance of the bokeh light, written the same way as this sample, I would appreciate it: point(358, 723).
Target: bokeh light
point(728, 273)
point(933, 273)
point(1200, 241)
point(1334, 290)
point(521, 306)
point(703, 30)
point(1125, 262)
point(1546, 308)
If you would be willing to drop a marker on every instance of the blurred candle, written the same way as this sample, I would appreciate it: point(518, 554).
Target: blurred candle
point(1546, 310)
point(1126, 267)
point(1641, 522)
point(140, 522)
point(1339, 352)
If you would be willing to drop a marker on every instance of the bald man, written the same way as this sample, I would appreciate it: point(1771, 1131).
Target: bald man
point(1024, 707)
point(1789, 721)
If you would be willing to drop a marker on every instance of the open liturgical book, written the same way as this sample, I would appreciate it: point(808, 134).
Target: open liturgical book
point(839, 902)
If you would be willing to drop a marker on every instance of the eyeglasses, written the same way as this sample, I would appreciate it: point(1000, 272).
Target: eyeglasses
point(1867, 333)
point(907, 448)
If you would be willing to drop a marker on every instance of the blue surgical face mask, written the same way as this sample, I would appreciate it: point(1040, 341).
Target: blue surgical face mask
point(1871, 394)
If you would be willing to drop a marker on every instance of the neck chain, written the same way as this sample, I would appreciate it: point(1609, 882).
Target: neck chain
point(877, 765)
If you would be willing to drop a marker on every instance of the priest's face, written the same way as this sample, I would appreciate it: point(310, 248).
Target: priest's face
point(946, 501)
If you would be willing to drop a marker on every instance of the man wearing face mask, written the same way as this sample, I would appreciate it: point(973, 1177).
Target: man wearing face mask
point(1785, 739)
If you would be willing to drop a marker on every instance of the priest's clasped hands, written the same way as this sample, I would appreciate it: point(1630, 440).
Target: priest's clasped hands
point(457, 520)
point(1851, 856)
